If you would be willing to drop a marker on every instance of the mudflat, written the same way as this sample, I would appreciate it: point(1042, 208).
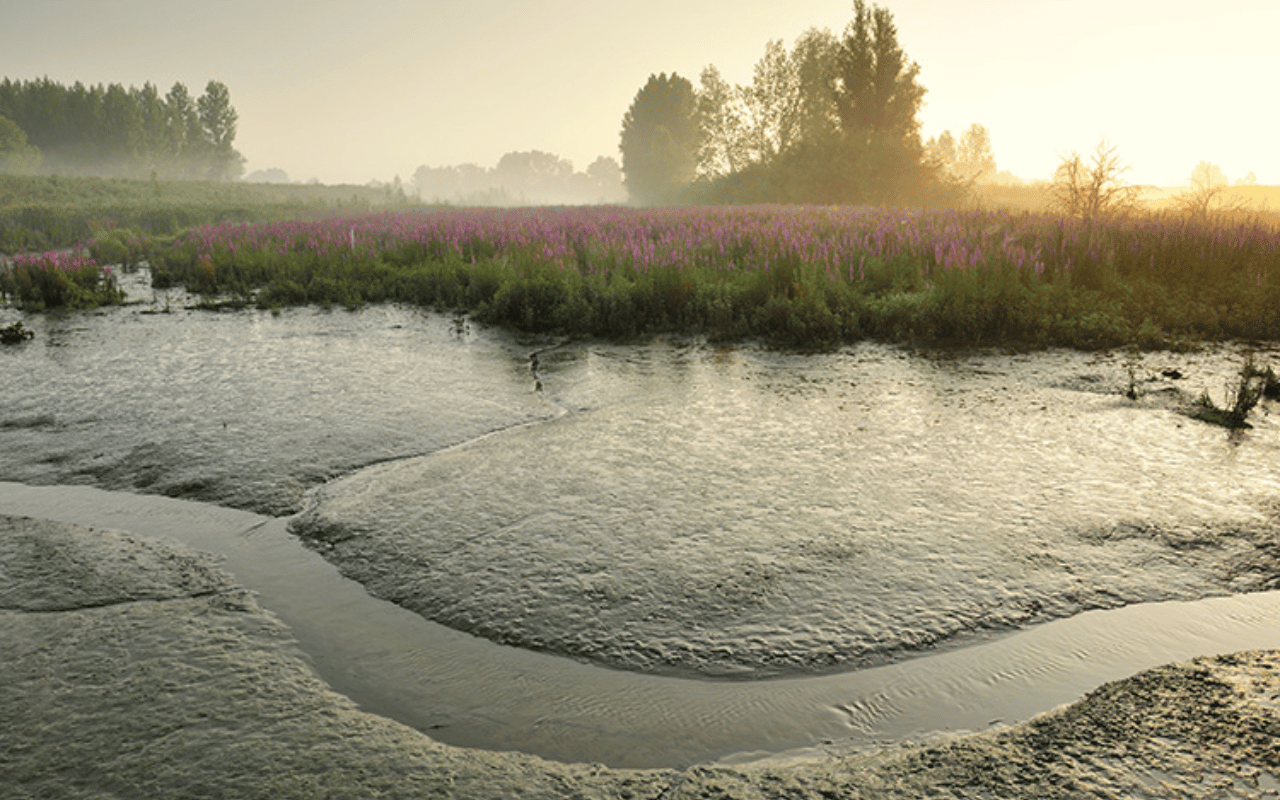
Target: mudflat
point(135, 667)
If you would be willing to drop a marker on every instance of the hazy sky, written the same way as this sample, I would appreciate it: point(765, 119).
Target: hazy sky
point(352, 91)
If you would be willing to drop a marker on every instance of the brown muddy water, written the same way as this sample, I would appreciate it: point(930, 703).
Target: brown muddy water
point(666, 552)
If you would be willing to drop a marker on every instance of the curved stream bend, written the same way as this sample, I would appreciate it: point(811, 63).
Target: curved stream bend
point(469, 692)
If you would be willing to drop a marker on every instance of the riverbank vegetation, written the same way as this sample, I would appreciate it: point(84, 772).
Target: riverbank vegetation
point(1242, 395)
point(793, 275)
point(69, 279)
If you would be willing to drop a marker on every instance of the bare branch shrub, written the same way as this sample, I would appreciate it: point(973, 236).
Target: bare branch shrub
point(1209, 195)
point(1093, 192)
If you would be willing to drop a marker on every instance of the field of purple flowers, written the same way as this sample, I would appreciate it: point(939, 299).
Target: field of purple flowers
point(798, 275)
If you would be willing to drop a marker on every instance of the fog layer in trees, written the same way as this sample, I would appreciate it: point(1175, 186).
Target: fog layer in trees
point(111, 131)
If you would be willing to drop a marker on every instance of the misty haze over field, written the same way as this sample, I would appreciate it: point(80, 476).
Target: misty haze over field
point(452, 97)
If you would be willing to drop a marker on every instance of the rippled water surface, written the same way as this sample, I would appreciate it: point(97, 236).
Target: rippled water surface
point(245, 408)
point(742, 512)
point(679, 508)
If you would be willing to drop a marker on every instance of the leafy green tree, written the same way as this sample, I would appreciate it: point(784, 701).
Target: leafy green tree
point(111, 130)
point(773, 104)
point(880, 157)
point(832, 121)
point(878, 91)
point(218, 119)
point(660, 140)
point(606, 179)
point(184, 146)
point(118, 128)
point(12, 138)
point(532, 174)
point(974, 161)
point(969, 161)
point(150, 136)
point(16, 156)
point(76, 146)
point(814, 61)
point(9, 94)
point(720, 114)
point(42, 112)
point(942, 150)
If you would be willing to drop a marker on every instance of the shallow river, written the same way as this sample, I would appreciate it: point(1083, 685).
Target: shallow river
point(698, 551)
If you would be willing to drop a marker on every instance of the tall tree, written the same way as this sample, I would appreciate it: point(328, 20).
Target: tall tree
point(16, 156)
point(111, 130)
point(942, 150)
point(814, 60)
point(878, 91)
point(119, 125)
point(720, 113)
point(606, 179)
point(878, 98)
point(660, 139)
point(974, 161)
point(773, 104)
point(219, 121)
point(151, 127)
point(184, 146)
point(533, 174)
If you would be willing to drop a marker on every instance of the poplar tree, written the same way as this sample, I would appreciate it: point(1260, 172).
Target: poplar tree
point(219, 121)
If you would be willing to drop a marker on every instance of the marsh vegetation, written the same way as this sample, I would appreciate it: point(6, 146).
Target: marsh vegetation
point(797, 276)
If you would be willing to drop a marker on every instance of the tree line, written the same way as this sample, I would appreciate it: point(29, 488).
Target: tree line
point(111, 131)
point(530, 177)
point(832, 120)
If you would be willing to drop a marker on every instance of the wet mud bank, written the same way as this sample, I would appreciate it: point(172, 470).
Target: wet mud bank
point(136, 668)
point(466, 691)
point(740, 513)
point(683, 511)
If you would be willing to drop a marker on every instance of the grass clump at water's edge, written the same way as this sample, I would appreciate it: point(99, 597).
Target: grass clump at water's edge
point(1250, 386)
point(68, 279)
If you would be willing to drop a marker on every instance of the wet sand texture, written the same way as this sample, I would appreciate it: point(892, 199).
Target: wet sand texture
point(553, 556)
point(195, 691)
point(135, 668)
